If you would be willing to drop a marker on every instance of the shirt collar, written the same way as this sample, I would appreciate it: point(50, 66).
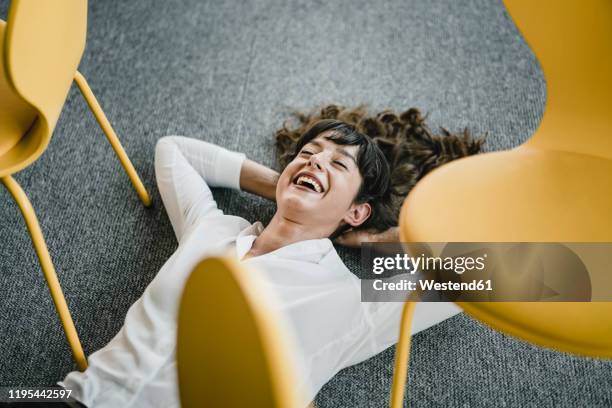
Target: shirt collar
point(310, 250)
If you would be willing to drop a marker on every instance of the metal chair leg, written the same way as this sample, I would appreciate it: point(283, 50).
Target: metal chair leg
point(48, 270)
point(402, 356)
point(95, 108)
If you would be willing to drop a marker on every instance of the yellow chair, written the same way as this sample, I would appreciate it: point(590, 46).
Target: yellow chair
point(41, 45)
point(557, 187)
point(232, 348)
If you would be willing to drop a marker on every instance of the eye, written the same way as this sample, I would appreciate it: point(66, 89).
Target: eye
point(339, 163)
point(306, 152)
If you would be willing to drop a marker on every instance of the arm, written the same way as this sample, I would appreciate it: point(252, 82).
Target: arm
point(258, 179)
point(186, 167)
point(220, 167)
point(355, 238)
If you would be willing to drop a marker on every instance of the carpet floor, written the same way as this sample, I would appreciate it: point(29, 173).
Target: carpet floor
point(228, 72)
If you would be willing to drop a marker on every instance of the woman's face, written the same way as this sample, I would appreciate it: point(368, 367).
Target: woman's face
point(318, 187)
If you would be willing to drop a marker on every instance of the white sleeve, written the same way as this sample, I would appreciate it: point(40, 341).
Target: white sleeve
point(184, 170)
point(386, 319)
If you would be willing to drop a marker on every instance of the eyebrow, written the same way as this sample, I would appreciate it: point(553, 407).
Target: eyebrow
point(338, 149)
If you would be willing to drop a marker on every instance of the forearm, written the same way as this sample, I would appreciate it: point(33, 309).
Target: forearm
point(390, 235)
point(183, 186)
point(220, 167)
point(258, 179)
point(217, 166)
point(354, 239)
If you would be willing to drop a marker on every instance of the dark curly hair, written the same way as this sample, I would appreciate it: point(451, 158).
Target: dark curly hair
point(409, 146)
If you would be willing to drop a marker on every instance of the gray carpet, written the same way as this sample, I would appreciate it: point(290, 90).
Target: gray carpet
point(227, 72)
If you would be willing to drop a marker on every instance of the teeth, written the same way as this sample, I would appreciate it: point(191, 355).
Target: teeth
point(311, 181)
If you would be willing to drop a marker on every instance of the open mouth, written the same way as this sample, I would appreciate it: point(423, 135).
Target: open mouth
point(309, 182)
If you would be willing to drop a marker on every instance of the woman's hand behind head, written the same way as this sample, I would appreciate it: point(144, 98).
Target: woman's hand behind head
point(354, 238)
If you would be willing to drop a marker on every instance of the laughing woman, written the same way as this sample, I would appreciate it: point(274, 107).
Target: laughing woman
point(344, 177)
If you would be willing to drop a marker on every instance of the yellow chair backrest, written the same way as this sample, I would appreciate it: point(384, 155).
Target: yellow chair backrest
point(232, 348)
point(556, 187)
point(43, 43)
point(573, 42)
point(16, 115)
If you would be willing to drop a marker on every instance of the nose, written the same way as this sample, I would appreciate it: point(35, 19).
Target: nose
point(316, 160)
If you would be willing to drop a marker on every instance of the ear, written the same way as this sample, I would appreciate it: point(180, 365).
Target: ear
point(357, 214)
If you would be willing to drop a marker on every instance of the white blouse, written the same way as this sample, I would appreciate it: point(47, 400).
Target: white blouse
point(318, 295)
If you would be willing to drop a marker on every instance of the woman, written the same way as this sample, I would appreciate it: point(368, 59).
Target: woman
point(336, 179)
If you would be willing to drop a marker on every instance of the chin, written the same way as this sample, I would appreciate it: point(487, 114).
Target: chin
point(295, 203)
point(297, 207)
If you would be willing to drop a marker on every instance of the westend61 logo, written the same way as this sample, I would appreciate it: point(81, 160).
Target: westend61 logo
point(423, 263)
point(486, 272)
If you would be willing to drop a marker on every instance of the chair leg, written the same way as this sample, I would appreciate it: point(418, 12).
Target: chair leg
point(112, 138)
point(48, 270)
point(402, 356)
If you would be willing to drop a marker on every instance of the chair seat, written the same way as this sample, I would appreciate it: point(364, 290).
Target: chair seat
point(580, 328)
point(524, 194)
